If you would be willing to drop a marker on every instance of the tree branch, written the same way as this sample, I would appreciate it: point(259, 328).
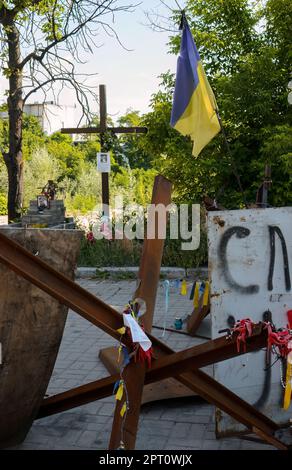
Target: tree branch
point(98, 11)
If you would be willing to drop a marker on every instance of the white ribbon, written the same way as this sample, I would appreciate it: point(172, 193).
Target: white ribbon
point(138, 335)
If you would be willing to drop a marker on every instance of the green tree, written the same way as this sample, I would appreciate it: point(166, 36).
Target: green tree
point(130, 147)
point(69, 157)
point(224, 30)
point(247, 54)
point(33, 37)
point(38, 170)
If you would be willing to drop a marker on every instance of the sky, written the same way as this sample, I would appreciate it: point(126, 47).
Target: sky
point(131, 77)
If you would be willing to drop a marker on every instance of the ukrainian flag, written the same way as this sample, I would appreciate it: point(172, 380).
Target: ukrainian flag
point(194, 105)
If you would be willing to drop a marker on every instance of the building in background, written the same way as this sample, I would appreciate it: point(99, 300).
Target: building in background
point(51, 116)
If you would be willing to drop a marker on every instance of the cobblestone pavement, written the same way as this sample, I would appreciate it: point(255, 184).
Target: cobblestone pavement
point(173, 424)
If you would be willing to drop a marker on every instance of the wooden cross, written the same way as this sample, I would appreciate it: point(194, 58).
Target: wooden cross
point(102, 130)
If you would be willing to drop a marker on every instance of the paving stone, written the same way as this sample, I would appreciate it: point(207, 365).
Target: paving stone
point(107, 409)
point(181, 430)
point(151, 427)
point(178, 444)
point(151, 443)
point(87, 438)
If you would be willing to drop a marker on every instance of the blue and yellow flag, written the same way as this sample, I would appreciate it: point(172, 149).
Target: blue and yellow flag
point(194, 105)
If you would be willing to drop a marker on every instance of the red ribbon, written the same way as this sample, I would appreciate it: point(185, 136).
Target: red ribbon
point(244, 330)
point(90, 237)
point(279, 339)
point(145, 356)
point(137, 352)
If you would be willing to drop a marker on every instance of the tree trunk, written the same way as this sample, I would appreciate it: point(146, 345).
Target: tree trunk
point(14, 159)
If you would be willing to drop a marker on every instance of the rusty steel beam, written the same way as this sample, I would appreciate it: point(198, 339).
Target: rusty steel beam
point(93, 309)
point(220, 396)
point(169, 365)
point(63, 289)
point(41, 274)
point(69, 293)
point(270, 439)
point(215, 393)
point(212, 352)
point(148, 278)
point(196, 380)
point(77, 396)
point(196, 318)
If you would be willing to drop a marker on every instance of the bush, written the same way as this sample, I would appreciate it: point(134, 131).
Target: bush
point(37, 171)
point(107, 253)
point(80, 204)
point(110, 253)
point(3, 204)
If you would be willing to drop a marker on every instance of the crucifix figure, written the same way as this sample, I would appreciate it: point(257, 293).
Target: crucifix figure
point(102, 130)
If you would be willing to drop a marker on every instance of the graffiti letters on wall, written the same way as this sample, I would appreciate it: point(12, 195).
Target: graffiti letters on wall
point(250, 259)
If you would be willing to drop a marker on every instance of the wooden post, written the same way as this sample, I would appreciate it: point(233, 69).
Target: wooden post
point(134, 373)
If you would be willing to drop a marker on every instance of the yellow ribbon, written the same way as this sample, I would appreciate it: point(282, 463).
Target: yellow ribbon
point(120, 391)
point(119, 354)
point(123, 409)
point(288, 389)
point(196, 295)
point(184, 289)
point(122, 330)
point(206, 295)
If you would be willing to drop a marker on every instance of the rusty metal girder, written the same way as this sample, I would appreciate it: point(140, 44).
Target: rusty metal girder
point(196, 380)
point(148, 277)
point(90, 307)
point(170, 365)
point(213, 392)
point(102, 315)
point(41, 274)
point(166, 366)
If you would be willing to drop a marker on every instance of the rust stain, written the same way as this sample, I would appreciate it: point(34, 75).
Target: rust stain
point(215, 295)
point(219, 221)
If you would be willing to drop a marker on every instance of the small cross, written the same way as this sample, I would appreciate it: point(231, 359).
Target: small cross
point(101, 130)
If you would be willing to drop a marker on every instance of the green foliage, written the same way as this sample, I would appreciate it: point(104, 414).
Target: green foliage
point(246, 51)
point(223, 30)
point(89, 148)
point(134, 185)
point(69, 157)
point(3, 204)
point(38, 170)
point(33, 137)
point(130, 144)
point(277, 151)
point(105, 253)
point(74, 168)
point(109, 253)
point(3, 178)
point(84, 194)
point(81, 203)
